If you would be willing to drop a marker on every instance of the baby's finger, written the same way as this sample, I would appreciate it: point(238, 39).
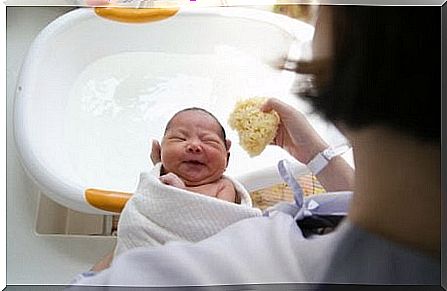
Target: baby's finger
point(167, 179)
point(172, 180)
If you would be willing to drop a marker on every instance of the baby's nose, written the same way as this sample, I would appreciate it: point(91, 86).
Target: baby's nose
point(194, 147)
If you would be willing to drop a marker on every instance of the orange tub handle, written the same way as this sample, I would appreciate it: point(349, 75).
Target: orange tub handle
point(111, 201)
point(135, 15)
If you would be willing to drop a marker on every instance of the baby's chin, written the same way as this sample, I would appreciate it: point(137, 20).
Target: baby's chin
point(192, 180)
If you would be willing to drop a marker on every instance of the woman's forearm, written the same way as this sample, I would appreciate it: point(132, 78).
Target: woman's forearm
point(338, 175)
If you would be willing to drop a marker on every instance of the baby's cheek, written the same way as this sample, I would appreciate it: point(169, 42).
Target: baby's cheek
point(219, 159)
point(168, 162)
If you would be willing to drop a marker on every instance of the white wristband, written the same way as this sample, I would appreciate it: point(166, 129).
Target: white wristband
point(318, 163)
point(321, 160)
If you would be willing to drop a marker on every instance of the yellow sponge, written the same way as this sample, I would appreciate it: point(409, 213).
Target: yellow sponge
point(256, 129)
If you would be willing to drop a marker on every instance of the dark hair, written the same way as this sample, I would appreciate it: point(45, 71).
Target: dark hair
point(222, 133)
point(385, 70)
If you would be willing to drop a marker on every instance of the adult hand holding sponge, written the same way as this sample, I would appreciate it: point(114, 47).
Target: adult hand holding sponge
point(256, 129)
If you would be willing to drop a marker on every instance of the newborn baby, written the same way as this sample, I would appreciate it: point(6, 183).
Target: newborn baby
point(194, 154)
point(176, 201)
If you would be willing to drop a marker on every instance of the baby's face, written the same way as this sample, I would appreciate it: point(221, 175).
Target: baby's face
point(193, 149)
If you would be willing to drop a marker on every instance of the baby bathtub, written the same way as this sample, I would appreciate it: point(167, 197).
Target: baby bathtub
point(93, 92)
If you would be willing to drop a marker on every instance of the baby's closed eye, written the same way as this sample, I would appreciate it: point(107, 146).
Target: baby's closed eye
point(177, 138)
point(211, 140)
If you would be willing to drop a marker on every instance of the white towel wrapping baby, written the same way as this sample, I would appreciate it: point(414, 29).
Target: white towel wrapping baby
point(159, 213)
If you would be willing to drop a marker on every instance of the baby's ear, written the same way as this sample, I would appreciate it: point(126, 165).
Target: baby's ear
point(227, 144)
point(155, 152)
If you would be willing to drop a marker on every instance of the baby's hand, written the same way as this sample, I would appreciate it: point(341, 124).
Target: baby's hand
point(172, 180)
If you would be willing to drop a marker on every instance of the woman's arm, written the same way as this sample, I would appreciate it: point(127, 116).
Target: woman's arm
point(337, 176)
point(299, 138)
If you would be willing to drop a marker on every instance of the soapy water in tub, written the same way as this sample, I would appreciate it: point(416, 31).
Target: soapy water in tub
point(120, 102)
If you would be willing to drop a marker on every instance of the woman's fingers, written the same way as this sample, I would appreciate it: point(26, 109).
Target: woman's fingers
point(269, 105)
point(284, 110)
point(295, 134)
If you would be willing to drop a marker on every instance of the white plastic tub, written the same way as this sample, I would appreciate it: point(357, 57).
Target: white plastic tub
point(93, 92)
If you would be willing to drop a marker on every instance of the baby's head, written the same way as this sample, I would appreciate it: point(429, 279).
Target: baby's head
point(194, 147)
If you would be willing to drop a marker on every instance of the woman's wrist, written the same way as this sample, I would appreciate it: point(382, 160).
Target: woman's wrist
point(313, 150)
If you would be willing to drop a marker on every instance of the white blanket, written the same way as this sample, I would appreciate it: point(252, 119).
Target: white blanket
point(159, 213)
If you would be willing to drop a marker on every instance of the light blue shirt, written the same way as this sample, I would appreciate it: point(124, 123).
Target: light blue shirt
point(272, 249)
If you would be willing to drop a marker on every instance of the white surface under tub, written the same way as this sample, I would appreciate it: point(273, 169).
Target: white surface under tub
point(32, 258)
point(70, 140)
